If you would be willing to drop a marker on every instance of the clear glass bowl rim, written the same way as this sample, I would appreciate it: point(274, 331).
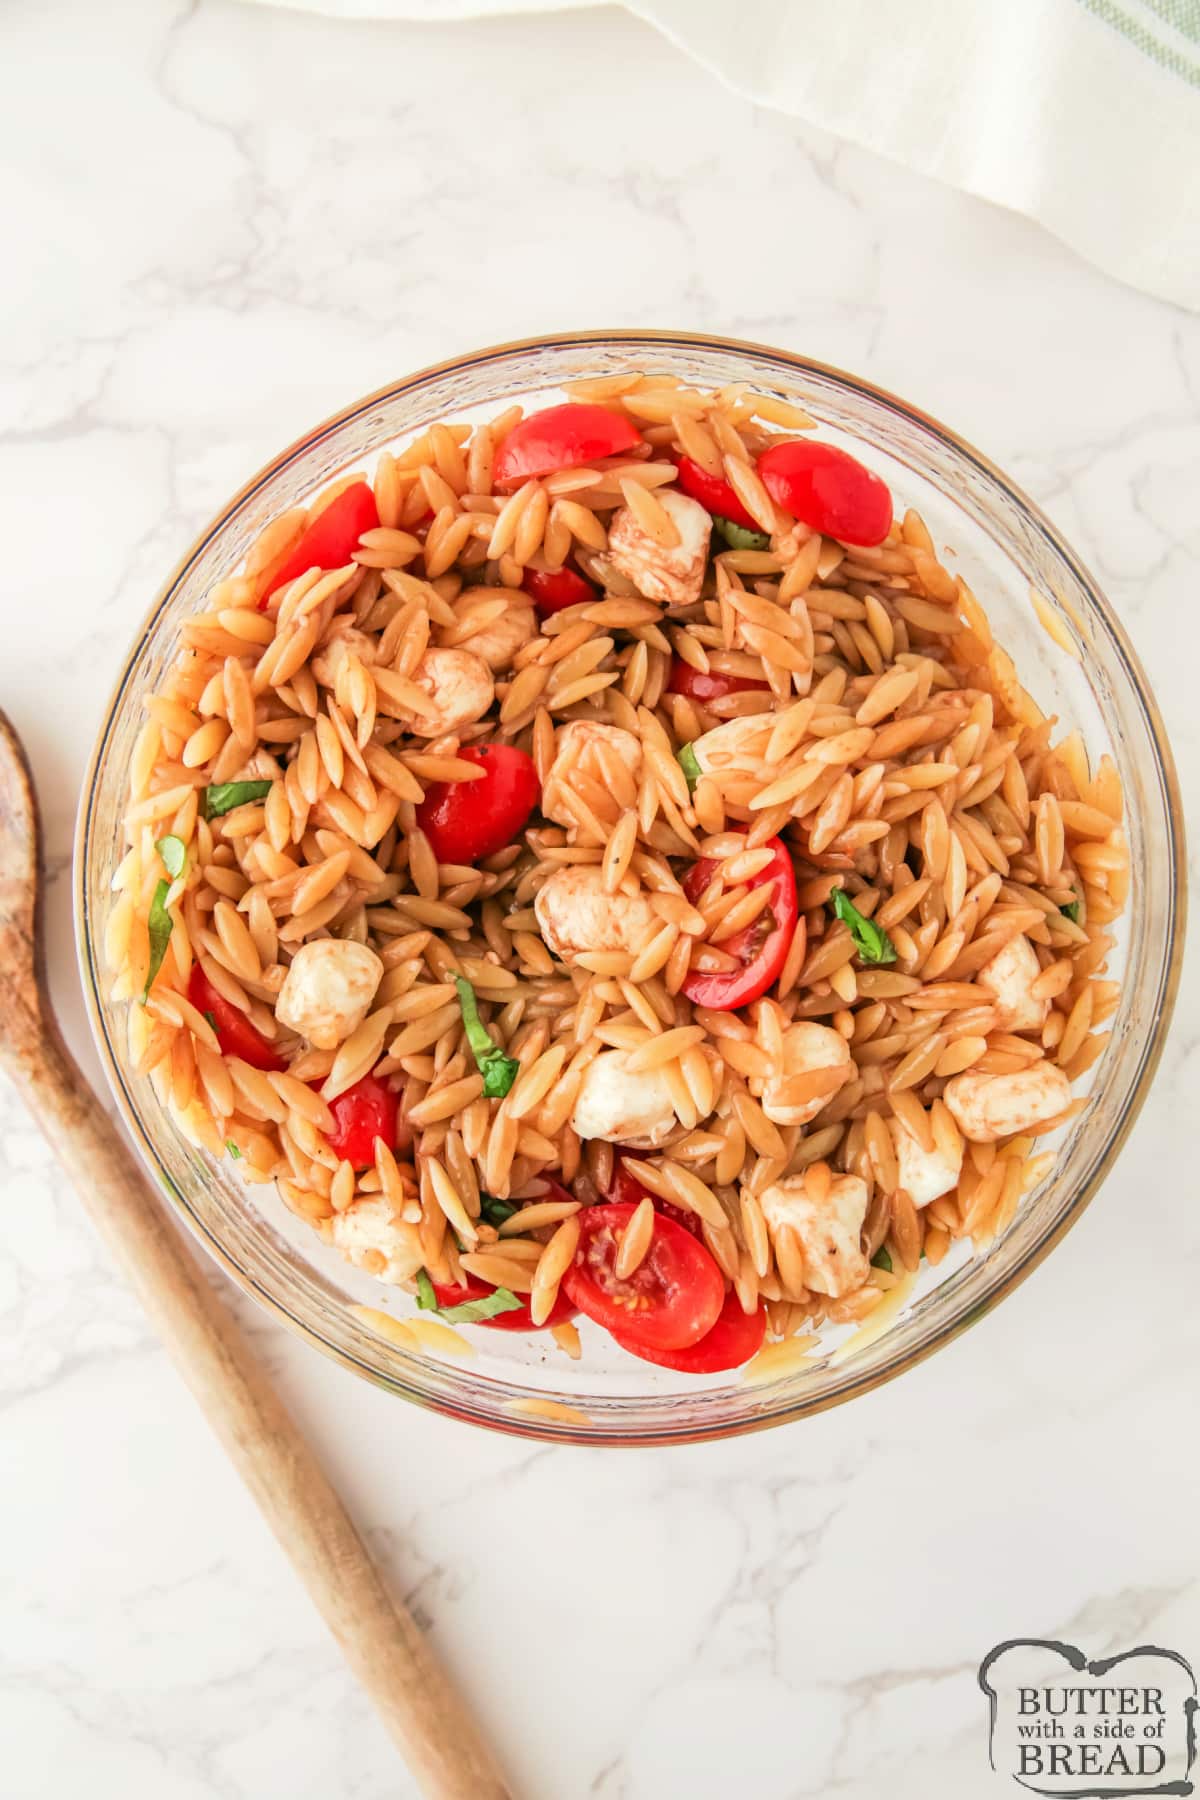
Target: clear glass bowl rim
point(547, 1427)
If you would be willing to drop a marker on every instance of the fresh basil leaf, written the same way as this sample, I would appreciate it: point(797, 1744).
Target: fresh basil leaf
point(500, 1300)
point(233, 1150)
point(212, 1019)
point(468, 1312)
point(1071, 911)
point(740, 537)
point(495, 1211)
point(228, 794)
point(173, 852)
point(688, 762)
point(871, 941)
point(159, 925)
point(882, 1259)
point(498, 1070)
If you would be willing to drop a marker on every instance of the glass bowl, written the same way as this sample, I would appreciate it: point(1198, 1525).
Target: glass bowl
point(1004, 546)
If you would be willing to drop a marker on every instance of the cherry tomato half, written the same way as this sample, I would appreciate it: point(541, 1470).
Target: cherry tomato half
point(235, 1034)
point(824, 487)
point(330, 541)
point(468, 820)
point(553, 590)
point(761, 948)
point(368, 1110)
point(714, 494)
point(673, 1296)
point(560, 437)
point(518, 1319)
point(627, 1190)
point(684, 679)
point(733, 1340)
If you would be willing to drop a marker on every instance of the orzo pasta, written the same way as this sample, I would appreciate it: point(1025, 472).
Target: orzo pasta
point(601, 862)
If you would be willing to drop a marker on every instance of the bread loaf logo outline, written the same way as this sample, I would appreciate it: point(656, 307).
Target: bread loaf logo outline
point(1068, 1727)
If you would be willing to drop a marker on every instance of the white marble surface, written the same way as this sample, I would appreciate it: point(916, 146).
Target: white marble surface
point(218, 224)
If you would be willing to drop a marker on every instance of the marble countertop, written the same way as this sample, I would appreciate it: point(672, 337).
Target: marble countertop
point(219, 223)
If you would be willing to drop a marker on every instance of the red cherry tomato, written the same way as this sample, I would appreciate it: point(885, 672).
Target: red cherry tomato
point(627, 1190)
point(518, 1319)
point(552, 590)
point(823, 487)
point(684, 679)
point(733, 1340)
point(468, 820)
point(235, 1034)
point(330, 541)
point(560, 437)
point(672, 1298)
point(368, 1110)
point(714, 494)
point(760, 949)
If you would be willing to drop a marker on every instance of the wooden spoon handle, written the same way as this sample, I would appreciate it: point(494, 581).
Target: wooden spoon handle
point(379, 1640)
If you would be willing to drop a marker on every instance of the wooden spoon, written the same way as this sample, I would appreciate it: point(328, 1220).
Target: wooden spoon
point(379, 1640)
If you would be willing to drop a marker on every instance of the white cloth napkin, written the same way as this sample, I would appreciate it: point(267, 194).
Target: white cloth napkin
point(1082, 114)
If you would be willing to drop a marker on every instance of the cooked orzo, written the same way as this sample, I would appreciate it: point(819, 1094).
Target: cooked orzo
point(601, 863)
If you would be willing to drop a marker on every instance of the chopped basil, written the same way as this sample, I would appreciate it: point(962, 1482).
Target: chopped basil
point(870, 940)
point(689, 763)
point(740, 537)
point(212, 1019)
point(495, 1211)
point(1071, 911)
point(882, 1259)
point(498, 1070)
point(228, 794)
point(233, 1149)
point(173, 852)
point(500, 1300)
point(470, 1312)
point(159, 925)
